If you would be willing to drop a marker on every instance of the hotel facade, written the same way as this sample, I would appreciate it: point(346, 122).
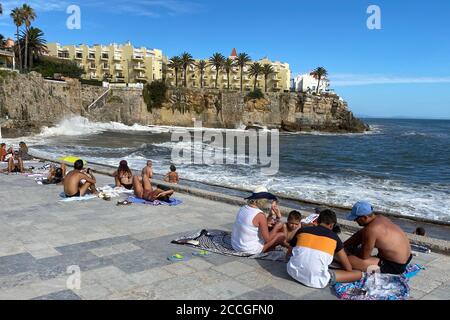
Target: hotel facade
point(114, 62)
point(279, 81)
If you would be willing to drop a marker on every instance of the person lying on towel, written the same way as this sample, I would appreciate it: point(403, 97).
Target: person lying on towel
point(143, 189)
point(55, 175)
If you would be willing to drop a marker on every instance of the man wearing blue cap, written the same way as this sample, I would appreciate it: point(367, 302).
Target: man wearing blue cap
point(394, 250)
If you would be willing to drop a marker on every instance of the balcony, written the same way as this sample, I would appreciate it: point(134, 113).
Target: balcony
point(78, 55)
point(117, 58)
point(105, 57)
point(63, 55)
point(92, 66)
point(139, 67)
point(141, 76)
point(137, 57)
point(118, 66)
point(275, 78)
point(91, 56)
point(105, 66)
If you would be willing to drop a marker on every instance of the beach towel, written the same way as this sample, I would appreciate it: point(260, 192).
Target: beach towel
point(219, 241)
point(384, 287)
point(171, 202)
point(83, 198)
point(113, 192)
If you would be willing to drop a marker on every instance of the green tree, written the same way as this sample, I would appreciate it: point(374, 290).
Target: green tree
point(254, 71)
point(201, 65)
point(36, 44)
point(267, 70)
point(48, 66)
point(187, 61)
point(242, 60)
point(227, 66)
point(154, 94)
point(17, 16)
point(319, 73)
point(217, 60)
point(175, 63)
point(28, 16)
point(2, 41)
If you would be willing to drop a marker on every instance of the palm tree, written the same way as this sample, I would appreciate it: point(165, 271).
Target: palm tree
point(28, 16)
point(319, 73)
point(267, 70)
point(217, 60)
point(201, 65)
point(16, 15)
point(241, 61)
point(36, 44)
point(186, 61)
point(2, 41)
point(175, 63)
point(227, 66)
point(254, 71)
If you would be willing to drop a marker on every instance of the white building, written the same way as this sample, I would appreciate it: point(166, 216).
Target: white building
point(306, 82)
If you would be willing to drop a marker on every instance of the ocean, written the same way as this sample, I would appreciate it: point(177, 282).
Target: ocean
point(400, 166)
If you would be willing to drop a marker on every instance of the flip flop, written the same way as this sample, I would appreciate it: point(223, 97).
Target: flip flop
point(201, 253)
point(124, 203)
point(177, 257)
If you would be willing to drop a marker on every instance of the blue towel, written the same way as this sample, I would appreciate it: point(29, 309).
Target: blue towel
point(171, 202)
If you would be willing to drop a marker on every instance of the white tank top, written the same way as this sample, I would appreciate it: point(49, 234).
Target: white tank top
point(245, 236)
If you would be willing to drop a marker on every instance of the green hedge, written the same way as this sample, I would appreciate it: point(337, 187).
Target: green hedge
point(48, 66)
point(255, 94)
point(154, 94)
point(92, 82)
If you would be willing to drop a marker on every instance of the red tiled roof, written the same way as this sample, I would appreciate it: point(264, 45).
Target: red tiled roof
point(233, 53)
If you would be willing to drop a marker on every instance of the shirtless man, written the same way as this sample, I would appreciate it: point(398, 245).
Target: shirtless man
point(143, 189)
point(148, 169)
point(394, 250)
point(73, 186)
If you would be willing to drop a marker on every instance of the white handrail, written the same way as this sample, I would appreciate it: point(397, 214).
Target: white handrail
point(101, 96)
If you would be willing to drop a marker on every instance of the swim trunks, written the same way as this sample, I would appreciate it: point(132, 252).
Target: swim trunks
point(387, 266)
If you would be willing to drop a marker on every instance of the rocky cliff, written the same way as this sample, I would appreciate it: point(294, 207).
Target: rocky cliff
point(31, 102)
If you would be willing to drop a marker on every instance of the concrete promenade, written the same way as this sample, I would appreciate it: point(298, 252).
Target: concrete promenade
point(122, 251)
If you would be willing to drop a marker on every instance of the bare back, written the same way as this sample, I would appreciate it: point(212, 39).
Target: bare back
point(72, 181)
point(391, 242)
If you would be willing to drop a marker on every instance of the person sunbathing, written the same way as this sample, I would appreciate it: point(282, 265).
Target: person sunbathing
point(123, 176)
point(23, 152)
point(78, 183)
point(142, 188)
point(394, 249)
point(313, 251)
point(15, 164)
point(172, 175)
point(3, 152)
point(55, 175)
point(148, 169)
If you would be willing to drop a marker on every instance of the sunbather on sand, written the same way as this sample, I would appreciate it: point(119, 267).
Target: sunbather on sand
point(250, 230)
point(394, 249)
point(143, 189)
point(23, 152)
point(123, 176)
point(73, 182)
point(55, 175)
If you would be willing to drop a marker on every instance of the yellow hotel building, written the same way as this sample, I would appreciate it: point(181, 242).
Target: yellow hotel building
point(114, 63)
point(276, 82)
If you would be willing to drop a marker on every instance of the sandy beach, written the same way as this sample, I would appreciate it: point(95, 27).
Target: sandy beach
point(122, 251)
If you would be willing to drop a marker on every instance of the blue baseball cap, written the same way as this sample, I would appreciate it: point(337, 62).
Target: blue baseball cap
point(360, 209)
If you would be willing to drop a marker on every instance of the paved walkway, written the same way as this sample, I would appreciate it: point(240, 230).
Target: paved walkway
point(122, 252)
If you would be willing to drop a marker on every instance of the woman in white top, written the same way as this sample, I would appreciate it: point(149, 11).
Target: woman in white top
point(250, 231)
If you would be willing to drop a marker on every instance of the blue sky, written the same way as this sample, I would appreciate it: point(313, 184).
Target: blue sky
point(400, 70)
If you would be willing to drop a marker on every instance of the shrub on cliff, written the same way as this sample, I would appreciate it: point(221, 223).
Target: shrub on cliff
point(255, 94)
point(48, 66)
point(154, 94)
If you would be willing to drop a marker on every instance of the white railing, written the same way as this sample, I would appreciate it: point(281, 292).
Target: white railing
point(101, 99)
